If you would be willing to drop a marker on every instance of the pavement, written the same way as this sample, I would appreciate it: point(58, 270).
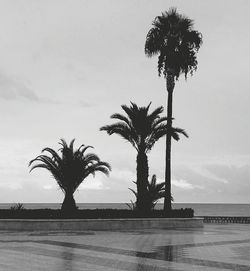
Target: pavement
point(212, 248)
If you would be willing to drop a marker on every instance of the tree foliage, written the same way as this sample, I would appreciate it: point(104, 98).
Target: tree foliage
point(155, 191)
point(175, 42)
point(139, 127)
point(70, 167)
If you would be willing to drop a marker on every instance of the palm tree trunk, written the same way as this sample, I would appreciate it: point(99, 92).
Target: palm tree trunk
point(142, 179)
point(69, 203)
point(170, 87)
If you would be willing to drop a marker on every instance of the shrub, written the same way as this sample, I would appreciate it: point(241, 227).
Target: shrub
point(17, 206)
point(92, 214)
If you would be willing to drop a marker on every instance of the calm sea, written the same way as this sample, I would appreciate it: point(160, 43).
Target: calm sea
point(200, 209)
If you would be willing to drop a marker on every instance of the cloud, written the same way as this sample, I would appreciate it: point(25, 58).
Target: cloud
point(123, 174)
point(219, 169)
point(182, 184)
point(204, 171)
point(48, 187)
point(91, 183)
point(12, 89)
point(202, 160)
point(211, 182)
point(237, 176)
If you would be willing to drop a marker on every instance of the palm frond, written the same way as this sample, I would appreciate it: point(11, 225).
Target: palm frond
point(128, 110)
point(122, 130)
point(131, 205)
point(84, 148)
point(71, 145)
point(91, 157)
point(53, 153)
point(40, 166)
point(155, 115)
point(153, 180)
point(120, 117)
point(63, 143)
point(133, 191)
point(102, 167)
point(110, 129)
point(157, 133)
point(46, 160)
point(175, 132)
point(159, 123)
point(153, 42)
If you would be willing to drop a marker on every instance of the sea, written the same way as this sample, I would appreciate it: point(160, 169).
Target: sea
point(200, 209)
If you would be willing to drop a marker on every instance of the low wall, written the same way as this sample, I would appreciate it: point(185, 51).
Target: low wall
point(227, 219)
point(99, 224)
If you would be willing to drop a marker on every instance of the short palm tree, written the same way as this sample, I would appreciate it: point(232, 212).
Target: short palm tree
point(175, 42)
point(142, 129)
point(155, 191)
point(70, 168)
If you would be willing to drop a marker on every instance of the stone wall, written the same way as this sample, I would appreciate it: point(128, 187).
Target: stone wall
point(99, 224)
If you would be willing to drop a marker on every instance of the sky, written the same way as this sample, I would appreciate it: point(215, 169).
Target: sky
point(67, 66)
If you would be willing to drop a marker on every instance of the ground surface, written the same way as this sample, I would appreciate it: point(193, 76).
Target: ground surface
point(215, 247)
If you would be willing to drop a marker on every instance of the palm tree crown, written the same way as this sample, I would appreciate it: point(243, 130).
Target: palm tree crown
point(141, 128)
point(71, 167)
point(172, 38)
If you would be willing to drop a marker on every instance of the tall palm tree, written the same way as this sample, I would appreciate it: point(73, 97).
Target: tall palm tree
point(70, 169)
point(175, 42)
point(142, 129)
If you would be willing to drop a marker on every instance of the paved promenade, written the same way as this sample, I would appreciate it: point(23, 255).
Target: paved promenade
point(215, 247)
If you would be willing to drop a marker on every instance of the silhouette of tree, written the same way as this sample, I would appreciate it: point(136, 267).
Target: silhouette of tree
point(155, 191)
point(175, 42)
point(70, 169)
point(142, 129)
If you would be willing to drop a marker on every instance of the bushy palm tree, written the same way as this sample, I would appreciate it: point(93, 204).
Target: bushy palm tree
point(70, 168)
point(155, 191)
point(142, 129)
point(175, 42)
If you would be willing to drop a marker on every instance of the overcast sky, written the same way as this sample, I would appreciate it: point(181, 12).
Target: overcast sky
point(66, 66)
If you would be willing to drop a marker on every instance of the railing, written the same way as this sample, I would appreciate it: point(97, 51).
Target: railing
point(226, 219)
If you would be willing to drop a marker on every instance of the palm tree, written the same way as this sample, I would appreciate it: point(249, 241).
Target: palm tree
point(70, 169)
point(155, 191)
point(175, 42)
point(142, 129)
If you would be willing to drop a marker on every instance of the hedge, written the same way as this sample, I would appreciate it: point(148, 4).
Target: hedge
point(92, 214)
